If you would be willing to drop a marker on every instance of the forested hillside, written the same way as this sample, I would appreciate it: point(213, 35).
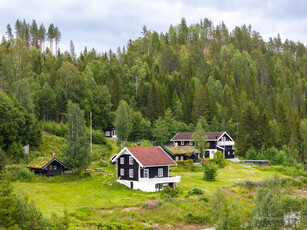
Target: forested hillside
point(164, 83)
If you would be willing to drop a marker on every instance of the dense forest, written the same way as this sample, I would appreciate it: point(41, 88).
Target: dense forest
point(159, 84)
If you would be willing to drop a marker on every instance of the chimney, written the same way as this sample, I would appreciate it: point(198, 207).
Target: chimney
point(138, 144)
point(53, 155)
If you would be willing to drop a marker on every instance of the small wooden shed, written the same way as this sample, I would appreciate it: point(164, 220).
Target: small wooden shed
point(47, 166)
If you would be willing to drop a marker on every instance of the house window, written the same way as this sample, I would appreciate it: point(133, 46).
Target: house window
point(55, 167)
point(122, 160)
point(130, 160)
point(228, 153)
point(181, 142)
point(176, 158)
point(107, 133)
point(181, 158)
point(131, 173)
point(122, 172)
point(191, 143)
point(160, 172)
point(146, 173)
point(50, 167)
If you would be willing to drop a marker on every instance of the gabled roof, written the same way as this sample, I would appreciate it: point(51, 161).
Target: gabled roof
point(148, 156)
point(187, 136)
point(182, 149)
point(43, 162)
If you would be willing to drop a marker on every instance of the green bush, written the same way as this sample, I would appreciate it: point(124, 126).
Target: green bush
point(54, 128)
point(195, 191)
point(210, 172)
point(219, 159)
point(15, 152)
point(173, 192)
point(20, 173)
point(186, 164)
point(99, 137)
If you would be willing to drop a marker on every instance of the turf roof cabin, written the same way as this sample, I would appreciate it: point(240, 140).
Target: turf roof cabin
point(183, 153)
point(145, 168)
point(218, 141)
point(47, 166)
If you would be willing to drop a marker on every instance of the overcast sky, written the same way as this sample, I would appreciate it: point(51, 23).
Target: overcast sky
point(105, 24)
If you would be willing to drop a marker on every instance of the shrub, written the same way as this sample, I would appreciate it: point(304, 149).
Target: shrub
point(21, 173)
point(15, 152)
point(98, 137)
point(196, 191)
point(185, 163)
point(219, 159)
point(54, 128)
point(210, 172)
point(173, 192)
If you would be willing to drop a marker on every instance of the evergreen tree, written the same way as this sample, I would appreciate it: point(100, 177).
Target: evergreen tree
point(76, 154)
point(42, 37)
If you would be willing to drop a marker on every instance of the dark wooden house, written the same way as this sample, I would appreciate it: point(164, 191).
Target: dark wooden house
point(183, 153)
point(47, 166)
point(218, 141)
point(144, 168)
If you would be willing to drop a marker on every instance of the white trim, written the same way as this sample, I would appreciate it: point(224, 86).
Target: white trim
point(223, 135)
point(121, 160)
point(54, 159)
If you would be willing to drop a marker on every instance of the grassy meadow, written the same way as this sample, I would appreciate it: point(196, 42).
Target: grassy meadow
point(99, 190)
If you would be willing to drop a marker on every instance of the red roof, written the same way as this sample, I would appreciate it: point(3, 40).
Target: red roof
point(150, 156)
point(187, 136)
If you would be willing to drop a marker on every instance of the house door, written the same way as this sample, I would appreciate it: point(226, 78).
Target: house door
point(131, 185)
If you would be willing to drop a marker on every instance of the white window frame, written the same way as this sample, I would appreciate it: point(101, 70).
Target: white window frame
point(122, 172)
point(130, 160)
point(131, 173)
point(191, 143)
point(146, 173)
point(176, 158)
point(55, 167)
point(181, 142)
point(122, 160)
point(160, 172)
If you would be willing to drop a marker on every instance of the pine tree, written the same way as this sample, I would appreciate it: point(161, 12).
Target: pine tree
point(76, 154)
point(42, 37)
point(51, 36)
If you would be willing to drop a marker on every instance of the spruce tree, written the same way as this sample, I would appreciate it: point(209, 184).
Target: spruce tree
point(76, 154)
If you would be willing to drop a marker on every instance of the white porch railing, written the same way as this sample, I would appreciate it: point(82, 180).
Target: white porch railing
point(161, 180)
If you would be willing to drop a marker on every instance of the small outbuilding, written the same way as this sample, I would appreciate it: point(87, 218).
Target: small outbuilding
point(47, 166)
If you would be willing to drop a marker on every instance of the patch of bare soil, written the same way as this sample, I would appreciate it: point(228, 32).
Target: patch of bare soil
point(130, 209)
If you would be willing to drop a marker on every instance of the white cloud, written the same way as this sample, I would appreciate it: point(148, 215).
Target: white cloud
point(111, 23)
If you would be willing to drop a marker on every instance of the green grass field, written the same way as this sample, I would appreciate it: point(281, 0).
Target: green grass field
point(100, 191)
